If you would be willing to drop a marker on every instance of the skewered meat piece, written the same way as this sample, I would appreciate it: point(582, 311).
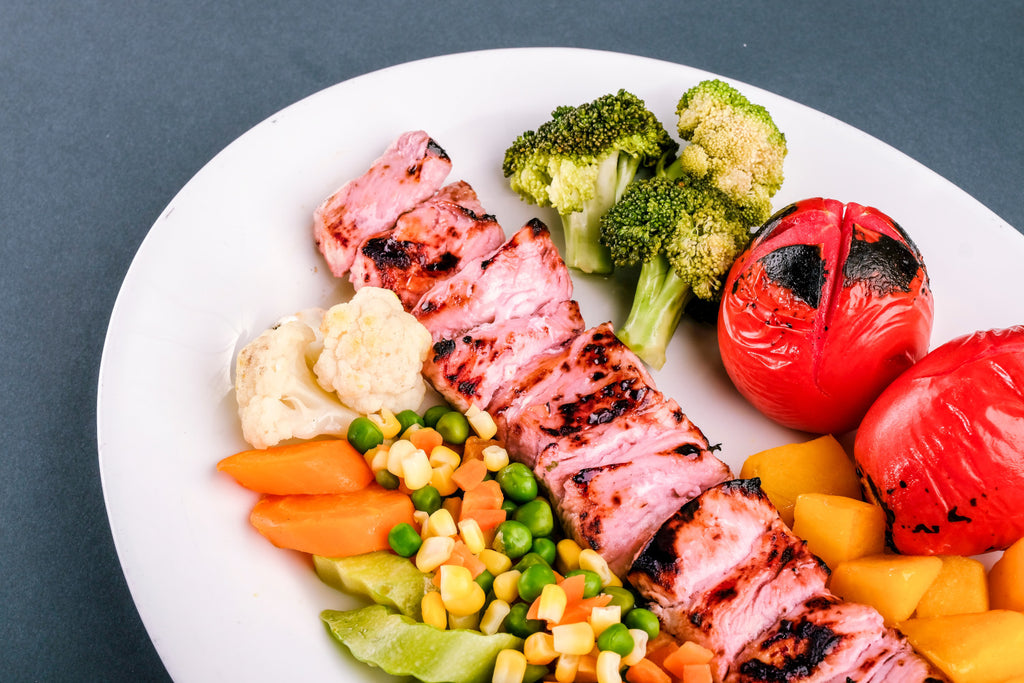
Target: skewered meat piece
point(429, 243)
point(513, 281)
point(410, 171)
point(471, 365)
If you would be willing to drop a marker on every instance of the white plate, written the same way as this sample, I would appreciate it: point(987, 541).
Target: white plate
point(233, 252)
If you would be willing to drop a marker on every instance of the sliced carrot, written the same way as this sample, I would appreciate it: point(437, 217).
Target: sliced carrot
point(485, 496)
point(469, 474)
point(454, 507)
point(487, 519)
point(474, 447)
point(426, 439)
point(332, 525)
point(697, 673)
point(573, 587)
point(582, 609)
point(646, 671)
point(330, 466)
point(462, 555)
point(687, 654)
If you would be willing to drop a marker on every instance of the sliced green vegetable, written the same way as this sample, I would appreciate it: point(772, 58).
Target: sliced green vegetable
point(383, 577)
point(402, 647)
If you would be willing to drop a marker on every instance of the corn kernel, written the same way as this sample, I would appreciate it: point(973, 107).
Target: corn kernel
point(506, 586)
point(481, 422)
point(495, 562)
point(494, 616)
point(410, 429)
point(608, 664)
point(416, 469)
point(614, 580)
point(396, 453)
point(441, 523)
point(469, 621)
point(441, 479)
point(640, 639)
point(567, 555)
point(495, 457)
point(434, 552)
point(552, 603)
point(539, 648)
point(433, 610)
point(388, 423)
point(566, 668)
point(589, 559)
point(586, 672)
point(472, 536)
point(377, 458)
point(603, 617)
point(421, 517)
point(573, 639)
point(509, 667)
point(467, 603)
point(442, 455)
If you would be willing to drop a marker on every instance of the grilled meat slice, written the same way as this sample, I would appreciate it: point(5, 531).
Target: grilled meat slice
point(428, 244)
point(469, 367)
point(513, 281)
point(826, 639)
point(409, 171)
point(616, 508)
point(751, 571)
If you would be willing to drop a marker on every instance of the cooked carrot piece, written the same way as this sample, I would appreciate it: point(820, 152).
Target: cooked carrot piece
point(426, 439)
point(688, 654)
point(697, 673)
point(330, 466)
point(469, 474)
point(332, 525)
point(646, 671)
point(485, 496)
point(474, 447)
point(487, 519)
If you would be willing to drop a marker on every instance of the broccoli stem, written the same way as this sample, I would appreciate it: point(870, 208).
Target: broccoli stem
point(661, 295)
point(583, 248)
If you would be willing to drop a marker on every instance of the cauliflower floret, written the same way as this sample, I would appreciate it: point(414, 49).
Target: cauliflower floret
point(277, 393)
point(373, 353)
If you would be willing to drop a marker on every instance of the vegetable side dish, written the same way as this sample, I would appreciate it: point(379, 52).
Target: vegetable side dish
point(555, 516)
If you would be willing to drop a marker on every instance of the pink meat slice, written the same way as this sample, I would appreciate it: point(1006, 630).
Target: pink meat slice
point(409, 171)
point(616, 508)
point(469, 367)
point(513, 281)
point(428, 244)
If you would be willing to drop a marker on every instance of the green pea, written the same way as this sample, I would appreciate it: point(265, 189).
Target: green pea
point(616, 638)
point(509, 506)
point(529, 559)
point(434, 413)
point(486, 580)
point(363, 434)
point(518, 624)
point(533, 579)
point(453, 427)
point(408, 418)
point(387, 479)
point(404, 539)
point(426, 499)
point(513, 539)
point(591, 581)
point(643, 619)
point(621, 597)
point(517, 482)
point(546, 548)
point(537, 517)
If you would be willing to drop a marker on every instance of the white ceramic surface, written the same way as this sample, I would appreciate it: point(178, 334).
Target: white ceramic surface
point(233, 252)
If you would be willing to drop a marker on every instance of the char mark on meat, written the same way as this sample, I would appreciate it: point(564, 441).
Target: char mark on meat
point(468, 368)
point(427, 245)
point(409, 171)
point(513, 281)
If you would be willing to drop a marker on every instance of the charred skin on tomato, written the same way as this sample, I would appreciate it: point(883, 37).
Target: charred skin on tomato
point(828, 305)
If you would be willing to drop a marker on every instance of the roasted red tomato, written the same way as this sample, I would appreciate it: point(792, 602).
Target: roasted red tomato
point(829, 303)
point(942, 449)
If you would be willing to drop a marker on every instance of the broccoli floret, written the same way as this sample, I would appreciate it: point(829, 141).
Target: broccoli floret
point(685, 238)
point(580, 161)
point(734, 145)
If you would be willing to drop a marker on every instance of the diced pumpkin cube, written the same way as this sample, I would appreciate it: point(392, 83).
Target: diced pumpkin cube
point(971, 648)
point(817, 466)
point(960, 588)
point(838, 528)
point(892, 584)
point(1006, 579)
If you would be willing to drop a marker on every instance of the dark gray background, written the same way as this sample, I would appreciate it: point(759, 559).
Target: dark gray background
point(108, 108)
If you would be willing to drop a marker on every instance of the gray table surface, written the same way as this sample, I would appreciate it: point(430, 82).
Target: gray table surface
point(108, 108)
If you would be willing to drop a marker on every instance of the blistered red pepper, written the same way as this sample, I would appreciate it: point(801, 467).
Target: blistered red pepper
point(942, 449)
point(829, 304)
